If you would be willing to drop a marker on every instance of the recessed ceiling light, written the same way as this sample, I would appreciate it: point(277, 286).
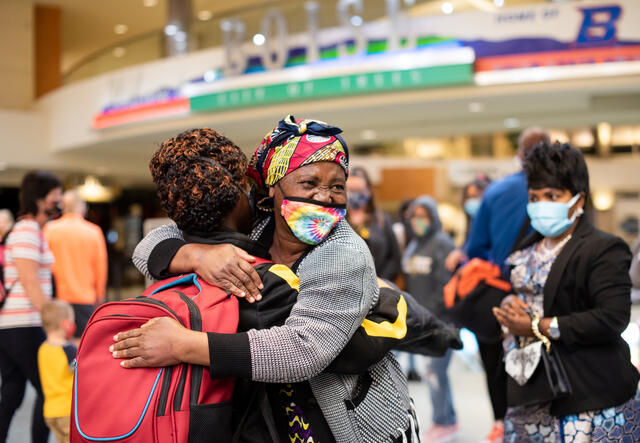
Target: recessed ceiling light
point(356, 20)
point(368, 134)
point(447, 7)
point(259, 40)
point(498, 3)
point(170, 30)
point(205, 15)
point(476, 107)
point(120, 29)
point(210, 76)
point(150, 3)
point(119, 52)
point(511, 123)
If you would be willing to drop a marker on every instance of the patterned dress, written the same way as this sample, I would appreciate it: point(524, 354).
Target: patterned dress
point(298, 427)
point(535, 424)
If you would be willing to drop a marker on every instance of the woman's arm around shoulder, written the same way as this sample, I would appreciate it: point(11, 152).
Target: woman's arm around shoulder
point(158, 246)
point(163, 253)
point(338, 286)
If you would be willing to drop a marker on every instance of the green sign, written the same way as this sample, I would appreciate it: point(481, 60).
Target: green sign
point(352, 84)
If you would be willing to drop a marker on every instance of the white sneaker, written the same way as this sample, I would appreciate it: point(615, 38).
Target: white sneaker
point(441, 434)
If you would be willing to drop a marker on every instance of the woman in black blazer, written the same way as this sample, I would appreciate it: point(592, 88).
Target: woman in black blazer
point(573, 292)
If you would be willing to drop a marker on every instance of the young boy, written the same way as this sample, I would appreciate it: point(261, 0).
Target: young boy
point(55, 358)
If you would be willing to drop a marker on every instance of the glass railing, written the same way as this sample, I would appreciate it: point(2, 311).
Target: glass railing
point(208, 34)
point(139, 49)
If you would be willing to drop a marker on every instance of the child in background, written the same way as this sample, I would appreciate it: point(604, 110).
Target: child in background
point(55, 359)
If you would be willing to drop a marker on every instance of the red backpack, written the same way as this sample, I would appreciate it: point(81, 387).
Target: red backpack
point(173, 404)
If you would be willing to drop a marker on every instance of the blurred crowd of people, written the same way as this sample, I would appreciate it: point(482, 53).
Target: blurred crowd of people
point(570, 293)
point(50, 251)
point(502, 217)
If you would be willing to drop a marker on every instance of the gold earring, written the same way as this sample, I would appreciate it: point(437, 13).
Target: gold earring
point(265, 204)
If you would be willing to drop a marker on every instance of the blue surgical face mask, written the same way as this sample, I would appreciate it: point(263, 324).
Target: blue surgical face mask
point(471, 206)
point(551, 219)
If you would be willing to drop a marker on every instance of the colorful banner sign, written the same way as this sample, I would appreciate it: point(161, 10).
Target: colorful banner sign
point(361, 75)
point(333, 86)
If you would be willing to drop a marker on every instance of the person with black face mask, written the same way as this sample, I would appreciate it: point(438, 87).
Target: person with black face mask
point(373, 225)
point(27, 275)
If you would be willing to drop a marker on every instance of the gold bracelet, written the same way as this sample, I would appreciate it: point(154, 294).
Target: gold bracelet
point(535, 321)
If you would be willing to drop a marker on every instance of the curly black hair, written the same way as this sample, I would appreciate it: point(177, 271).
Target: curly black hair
point(195, 193)
point(557, 165)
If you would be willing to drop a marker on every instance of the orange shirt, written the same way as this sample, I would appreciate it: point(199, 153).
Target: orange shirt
point(80, 252)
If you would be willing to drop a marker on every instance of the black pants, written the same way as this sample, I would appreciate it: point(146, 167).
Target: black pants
point(492, 358)
point(82, 314)
point(19, 363)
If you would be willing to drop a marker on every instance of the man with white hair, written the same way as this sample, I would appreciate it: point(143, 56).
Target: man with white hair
point(80, 252)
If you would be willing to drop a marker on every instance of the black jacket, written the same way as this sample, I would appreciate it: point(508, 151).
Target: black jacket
point(383, 245)
point(588, 289)
point(424, 333)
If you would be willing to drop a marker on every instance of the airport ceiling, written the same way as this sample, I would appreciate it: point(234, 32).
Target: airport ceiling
point(89, 25)
point(392, 117)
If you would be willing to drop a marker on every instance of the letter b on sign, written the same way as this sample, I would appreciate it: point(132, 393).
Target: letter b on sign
point(599, 24)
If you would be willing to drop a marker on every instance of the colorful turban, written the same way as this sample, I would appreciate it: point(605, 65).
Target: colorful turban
point(293, 144)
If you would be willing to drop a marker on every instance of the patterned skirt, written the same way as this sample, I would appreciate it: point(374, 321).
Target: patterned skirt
point(534, 424)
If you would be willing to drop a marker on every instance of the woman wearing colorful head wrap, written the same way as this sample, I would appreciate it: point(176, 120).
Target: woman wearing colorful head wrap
point(301, 168)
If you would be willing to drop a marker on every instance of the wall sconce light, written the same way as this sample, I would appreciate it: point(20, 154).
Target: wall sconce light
point(93, 191)
point(603, 200)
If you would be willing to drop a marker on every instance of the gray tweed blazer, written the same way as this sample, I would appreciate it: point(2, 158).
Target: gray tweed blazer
point(338, 287)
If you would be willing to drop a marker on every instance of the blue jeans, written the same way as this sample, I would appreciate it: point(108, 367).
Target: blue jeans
point(408, 364)
point(440, 390)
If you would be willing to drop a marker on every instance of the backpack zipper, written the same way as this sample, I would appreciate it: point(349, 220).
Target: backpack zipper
point(166, 380)
point(164, 392)
point(153, 301)
point(177, 400)
point(196, 325)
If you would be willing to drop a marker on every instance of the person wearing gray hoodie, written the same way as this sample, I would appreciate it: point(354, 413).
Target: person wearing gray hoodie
point(426, 275)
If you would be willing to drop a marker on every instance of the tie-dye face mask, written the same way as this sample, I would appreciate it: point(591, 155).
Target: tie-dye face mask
point(311, 220)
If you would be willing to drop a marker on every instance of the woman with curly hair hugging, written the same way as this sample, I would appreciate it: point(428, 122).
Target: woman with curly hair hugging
point(570, 377)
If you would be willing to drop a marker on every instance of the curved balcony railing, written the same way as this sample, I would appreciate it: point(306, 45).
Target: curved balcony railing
point(149, 46)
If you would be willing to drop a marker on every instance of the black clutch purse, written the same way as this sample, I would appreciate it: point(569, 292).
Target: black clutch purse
point(548, 381)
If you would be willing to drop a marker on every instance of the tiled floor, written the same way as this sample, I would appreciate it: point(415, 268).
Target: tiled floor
point(469, 391)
